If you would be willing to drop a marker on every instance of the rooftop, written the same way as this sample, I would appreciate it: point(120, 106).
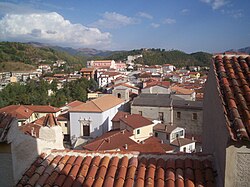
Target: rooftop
point(78, 168)
point(100, 104)
point(233, 78)
point(136, 121)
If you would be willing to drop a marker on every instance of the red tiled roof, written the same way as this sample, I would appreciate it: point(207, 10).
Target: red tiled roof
point(43, 108)
point(119, 115)
point(100, 104)
point(233, 77)
point(74, 103)
point(165, 84)
point(75, 168)
point(33, 128)
point(112, 140)
point(18, 111)
point(136, 121)
point(151, 145)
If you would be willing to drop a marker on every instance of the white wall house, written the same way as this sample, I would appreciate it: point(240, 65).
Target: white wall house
point(175, 136)
point(93, 118)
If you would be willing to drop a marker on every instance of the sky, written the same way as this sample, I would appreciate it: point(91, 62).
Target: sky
point(186, 25)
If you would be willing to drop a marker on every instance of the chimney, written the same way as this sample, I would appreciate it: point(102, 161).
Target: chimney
point(142, 142)
point(32, 131)
point(126, 146)
point(162, 142)
point(192, 138)
point(126, 116)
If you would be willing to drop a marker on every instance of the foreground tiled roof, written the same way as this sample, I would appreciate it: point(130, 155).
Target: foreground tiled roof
point(233, 78)
point(100, 104)
point(129, 169)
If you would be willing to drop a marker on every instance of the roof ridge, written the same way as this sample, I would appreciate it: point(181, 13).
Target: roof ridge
point(93, 101)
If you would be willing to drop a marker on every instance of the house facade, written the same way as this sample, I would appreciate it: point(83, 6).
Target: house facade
point(93, 118)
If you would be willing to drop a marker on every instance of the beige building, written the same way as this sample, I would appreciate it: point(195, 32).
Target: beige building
point(226, 124)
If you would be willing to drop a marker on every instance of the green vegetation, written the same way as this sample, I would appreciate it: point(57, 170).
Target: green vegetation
point(37, 93)
point(27, 54)
point(15, 66)
point(160, 56)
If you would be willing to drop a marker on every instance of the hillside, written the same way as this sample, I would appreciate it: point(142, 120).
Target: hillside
point(31, 55)
point(160, 56)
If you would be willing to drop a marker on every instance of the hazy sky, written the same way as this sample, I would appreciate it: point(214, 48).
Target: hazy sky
point(187, 25)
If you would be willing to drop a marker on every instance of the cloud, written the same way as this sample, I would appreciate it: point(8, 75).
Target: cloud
point(185, 11)
point(169, 21)
point(233, 13)
point(155, 25)
point(50, 27)
point(113, 20)
point(145, 15)
point(216, 4)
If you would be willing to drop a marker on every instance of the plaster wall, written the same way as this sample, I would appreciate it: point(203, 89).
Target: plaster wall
point(214, 130)
point(100, 122)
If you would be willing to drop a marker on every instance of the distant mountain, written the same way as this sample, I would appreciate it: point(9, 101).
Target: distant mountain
point(85, 52)
point(245, 50)
point(242, 50)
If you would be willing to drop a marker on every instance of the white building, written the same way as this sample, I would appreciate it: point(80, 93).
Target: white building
point(93, 118)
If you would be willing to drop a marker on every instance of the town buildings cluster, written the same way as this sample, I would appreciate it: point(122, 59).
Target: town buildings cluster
point(149, 125)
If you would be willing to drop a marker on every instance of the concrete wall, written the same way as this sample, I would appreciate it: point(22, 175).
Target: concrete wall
point(215, 133)
point(153, 112)
point(190, 125)
point(6, 167)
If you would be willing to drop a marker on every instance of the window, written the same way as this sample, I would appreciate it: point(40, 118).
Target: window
point(119, 95)
point(167, 137)
point(194, 116)
point(140, 112)
point(161, 117)
point(184, 149)
point(138, 131)
point(156, 134)
point(178, 115)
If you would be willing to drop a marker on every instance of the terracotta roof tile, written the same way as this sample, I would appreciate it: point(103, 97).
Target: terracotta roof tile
point(233, 75)
point(120, 169)
point(136, 121)
point(100, 104)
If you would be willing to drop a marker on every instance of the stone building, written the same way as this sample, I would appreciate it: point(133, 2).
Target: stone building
point(183, 113)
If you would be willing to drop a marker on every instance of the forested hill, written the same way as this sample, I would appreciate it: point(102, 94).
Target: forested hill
point(16, 56)
point(160, 56)
point(20, 56)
